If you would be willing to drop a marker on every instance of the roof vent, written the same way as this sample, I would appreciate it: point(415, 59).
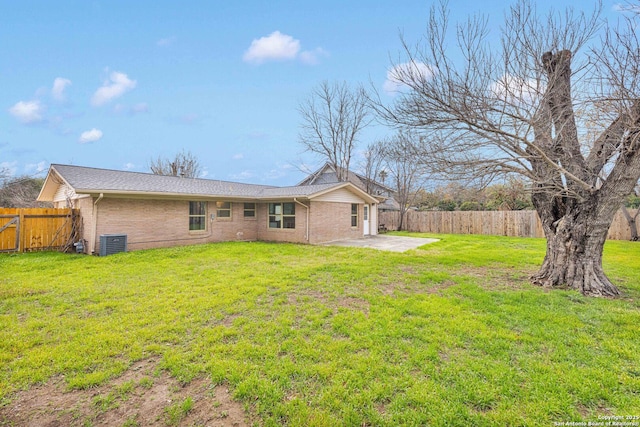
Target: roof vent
point(112, 244)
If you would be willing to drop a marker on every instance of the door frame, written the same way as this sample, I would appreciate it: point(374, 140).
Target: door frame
point(366, 219)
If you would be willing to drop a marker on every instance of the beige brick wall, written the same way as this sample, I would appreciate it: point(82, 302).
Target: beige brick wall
point(235, 228)
point(267, 234)
point(332, 221)
point(85, 205)
point(164, 223)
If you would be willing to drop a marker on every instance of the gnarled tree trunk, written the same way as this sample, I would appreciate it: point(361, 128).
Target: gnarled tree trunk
point(577, 213)
point(481, 118)
point(575, 243)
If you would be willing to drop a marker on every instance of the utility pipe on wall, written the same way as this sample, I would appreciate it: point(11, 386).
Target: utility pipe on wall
point(95, 223)
point(306, 236)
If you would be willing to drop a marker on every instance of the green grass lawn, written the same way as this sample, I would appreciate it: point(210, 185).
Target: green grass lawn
point(449, 334)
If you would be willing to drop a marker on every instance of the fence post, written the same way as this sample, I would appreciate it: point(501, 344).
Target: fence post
point(20, 230)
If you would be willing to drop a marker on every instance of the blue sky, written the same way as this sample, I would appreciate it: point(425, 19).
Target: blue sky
point(113, 84)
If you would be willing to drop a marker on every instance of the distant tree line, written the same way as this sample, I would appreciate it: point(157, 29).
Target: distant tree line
point(512, 195)
point(20, 192)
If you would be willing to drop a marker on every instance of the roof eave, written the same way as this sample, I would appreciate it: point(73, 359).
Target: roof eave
point(353, 188)
point(161, 194)
point(48, 190)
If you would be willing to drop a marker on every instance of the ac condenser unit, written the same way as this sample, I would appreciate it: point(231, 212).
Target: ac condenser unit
point(112, 244)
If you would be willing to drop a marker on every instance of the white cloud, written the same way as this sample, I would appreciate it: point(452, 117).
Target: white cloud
point(515, 89)
point(59, 86)
point(116, 86)
point(238, 156)
point(408, 71)
point(31, 168)
point(275, 46)
point(190, 119)
point(244, 175)
point(10, 167)
point(129, 166)
point(92, 135)
point(141, 107)
point(167, 41)
point(312, 57)
point(27, 111)
point(274, 174)
point(257, 134)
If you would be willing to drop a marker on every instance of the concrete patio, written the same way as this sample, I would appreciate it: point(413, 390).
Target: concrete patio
point(384, 242)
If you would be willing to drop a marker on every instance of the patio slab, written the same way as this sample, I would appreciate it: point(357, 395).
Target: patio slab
point(384, 243)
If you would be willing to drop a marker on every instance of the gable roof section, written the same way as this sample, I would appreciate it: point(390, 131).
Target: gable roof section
point(313, 191)
point(85, 180)
point(327, 174)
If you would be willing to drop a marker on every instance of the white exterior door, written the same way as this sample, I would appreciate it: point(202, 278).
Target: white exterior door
point(365, 220)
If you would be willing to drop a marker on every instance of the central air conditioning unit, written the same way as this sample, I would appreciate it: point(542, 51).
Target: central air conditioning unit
point(112, 244)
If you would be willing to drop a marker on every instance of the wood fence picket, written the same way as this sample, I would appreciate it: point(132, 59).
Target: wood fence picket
point(37, 229)
point(498, 223)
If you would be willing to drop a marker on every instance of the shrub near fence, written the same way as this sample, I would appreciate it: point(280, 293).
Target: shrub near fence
point(497, 223)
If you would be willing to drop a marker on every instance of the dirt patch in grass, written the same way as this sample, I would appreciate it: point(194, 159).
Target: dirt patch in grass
point(432, 281)
point(353, 303)
point(302, 295)
point(501, 279)
point(142, 396)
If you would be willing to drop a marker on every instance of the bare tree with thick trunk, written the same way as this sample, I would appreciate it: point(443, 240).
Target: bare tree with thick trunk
point(523, 109)
point(333, 118)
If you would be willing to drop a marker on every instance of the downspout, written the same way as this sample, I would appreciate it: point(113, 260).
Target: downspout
point(95, 222)
point(306, 236)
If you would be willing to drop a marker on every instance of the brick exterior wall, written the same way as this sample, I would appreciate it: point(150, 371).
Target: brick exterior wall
point(150, 223)
point(332, 221)
point(85, 205)
point(164, 223)
point(267, 234)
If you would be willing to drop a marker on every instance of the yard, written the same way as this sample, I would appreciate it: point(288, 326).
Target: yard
point(283, 334)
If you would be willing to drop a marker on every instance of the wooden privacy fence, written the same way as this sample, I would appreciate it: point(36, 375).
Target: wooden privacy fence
point(37, 229)
point(498, 223)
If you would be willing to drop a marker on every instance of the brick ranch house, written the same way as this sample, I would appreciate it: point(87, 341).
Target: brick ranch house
point(161, 211)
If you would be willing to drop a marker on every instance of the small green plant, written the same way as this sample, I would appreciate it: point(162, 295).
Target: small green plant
point(125, 389)
point(105, 402)
point(131, 422)
point(146, 383)
point(178, 411)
